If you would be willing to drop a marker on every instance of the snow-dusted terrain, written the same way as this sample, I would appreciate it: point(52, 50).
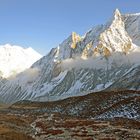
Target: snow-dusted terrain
point(105, 58)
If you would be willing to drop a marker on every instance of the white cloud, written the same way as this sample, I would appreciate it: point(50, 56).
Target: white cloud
point(26, 77)
point(100, 62)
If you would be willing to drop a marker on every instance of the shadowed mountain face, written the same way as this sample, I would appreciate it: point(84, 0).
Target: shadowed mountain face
point(105, 58)
point(102, 115)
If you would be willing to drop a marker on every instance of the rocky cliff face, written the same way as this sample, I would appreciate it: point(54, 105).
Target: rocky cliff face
point(104, 56)
point(132, 26)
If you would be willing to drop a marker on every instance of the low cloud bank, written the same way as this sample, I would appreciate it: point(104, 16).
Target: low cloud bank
point(26, 77)
point(117, 59)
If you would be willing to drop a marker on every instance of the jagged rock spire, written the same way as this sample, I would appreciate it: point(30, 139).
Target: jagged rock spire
point(117, 11)
point(117, 14)
point(117, 19)
point(75, 38)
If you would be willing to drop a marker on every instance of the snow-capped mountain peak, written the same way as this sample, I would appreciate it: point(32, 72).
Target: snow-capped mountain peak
point(15, 59)
point(117, 19)
point(114, 38)
point(117, 14)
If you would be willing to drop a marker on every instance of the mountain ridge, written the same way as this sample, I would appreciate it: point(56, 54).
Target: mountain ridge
point(79, 65)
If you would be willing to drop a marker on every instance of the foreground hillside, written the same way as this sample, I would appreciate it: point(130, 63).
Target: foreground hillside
point(55, 127)
point(95, 105)
point(103, 116)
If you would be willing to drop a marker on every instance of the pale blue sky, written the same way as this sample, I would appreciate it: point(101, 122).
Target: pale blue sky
point(43, 24)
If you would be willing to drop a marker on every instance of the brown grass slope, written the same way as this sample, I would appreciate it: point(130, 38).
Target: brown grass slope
point(87, 106)
point(76, 118)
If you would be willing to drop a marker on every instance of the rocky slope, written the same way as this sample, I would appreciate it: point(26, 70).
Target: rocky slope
point(104, 57)
point(103, 116)
point(132, 26)
point(54, 126)
point(97, 105)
